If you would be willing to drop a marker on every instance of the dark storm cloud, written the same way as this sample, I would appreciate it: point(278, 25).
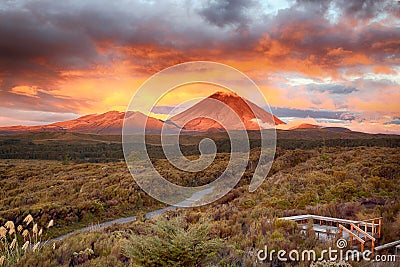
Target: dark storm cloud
point(366, 9)
point(306, 28)
point(359, 9)
point(33, 49)
point(332, 88)
point(48, 36)
point(39, 39)
point(67, 34)
point(227, 12)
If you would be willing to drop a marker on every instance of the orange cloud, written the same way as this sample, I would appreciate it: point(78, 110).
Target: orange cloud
point(25, 90)
point(355, 59)
point(338, 52)
point(381, 69)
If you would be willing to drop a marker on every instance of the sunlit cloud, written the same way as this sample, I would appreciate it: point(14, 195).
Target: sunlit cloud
point(30, 91)
point(91, 57)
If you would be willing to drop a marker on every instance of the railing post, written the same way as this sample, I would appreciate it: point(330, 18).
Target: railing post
point(373, 247)
point(379, 227)
point(373, 227)
point(365, 230)
point(351, 237)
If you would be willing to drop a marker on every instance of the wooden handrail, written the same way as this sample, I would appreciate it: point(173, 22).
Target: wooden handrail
point(363, 232)
point(327, 219)
point(373, 219)
point(375, 224)
point(352, 234)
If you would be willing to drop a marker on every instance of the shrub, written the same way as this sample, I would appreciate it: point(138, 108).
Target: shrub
point(172, 243)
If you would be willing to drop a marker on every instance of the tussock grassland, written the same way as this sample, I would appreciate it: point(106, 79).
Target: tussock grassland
point(352, 183)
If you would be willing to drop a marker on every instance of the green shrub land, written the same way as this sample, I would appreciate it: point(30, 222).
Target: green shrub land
point(333, 177)
point(91, 148)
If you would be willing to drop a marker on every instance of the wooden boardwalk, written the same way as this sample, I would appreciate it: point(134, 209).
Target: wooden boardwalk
point(365, 231)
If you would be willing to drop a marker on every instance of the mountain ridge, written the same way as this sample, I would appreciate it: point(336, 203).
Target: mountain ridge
point(252, 116)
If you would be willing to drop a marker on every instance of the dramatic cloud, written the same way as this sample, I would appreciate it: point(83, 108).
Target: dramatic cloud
point(90, 56)
point(225, 12)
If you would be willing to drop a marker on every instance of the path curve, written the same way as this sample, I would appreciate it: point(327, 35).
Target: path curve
point(195, 197)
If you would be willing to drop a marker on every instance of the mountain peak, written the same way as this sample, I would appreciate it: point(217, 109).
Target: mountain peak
point(198, 117)
point(221, 94)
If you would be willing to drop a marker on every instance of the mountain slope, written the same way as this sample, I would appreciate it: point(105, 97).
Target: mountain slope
point(107, 123)
point(247, 111)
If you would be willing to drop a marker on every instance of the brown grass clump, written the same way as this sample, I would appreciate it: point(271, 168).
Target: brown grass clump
point(14, 244)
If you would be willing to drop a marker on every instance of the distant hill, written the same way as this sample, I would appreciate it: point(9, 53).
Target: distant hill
point(337, 129)
point(305, 126)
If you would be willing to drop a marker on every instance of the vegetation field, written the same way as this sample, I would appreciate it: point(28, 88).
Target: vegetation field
point(356, 182)
point(92, 148)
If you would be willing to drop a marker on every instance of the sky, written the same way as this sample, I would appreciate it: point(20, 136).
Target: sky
point(335, 63)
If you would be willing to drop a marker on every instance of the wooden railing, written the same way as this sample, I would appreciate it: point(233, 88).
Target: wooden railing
point(356, 227)
point(374, 226)
point(366, 235)
point(352, 235)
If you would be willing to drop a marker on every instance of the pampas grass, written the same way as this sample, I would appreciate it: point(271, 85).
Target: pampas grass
point(11, 227)
point(51, 223)
point(28, 219)
point(11, 250)
point(3, 231)
point(25, 246)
